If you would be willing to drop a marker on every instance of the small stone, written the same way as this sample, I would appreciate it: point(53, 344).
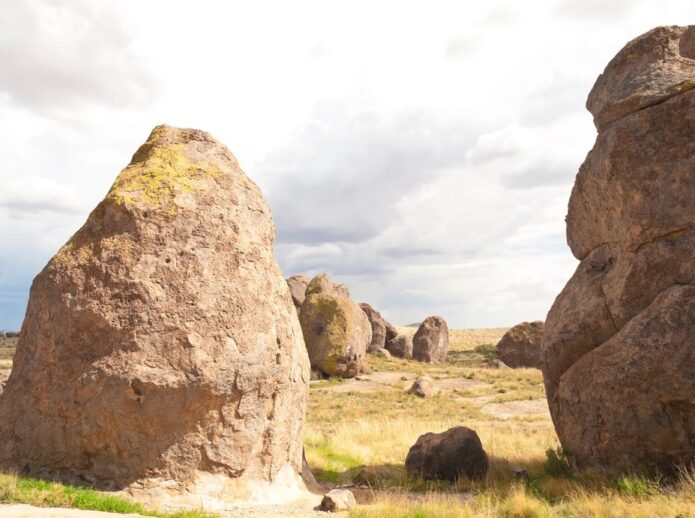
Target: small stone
point(337, 500)
point(423, 387)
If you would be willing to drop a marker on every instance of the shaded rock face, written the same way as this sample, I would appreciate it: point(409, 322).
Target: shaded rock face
point(391, 331)
point(160, 345)
point(448, 456)
point(431, 340)
point(400, 347)
point(378, 324)
point(336, 330)
point(521, 345)
point(617, 353)
point(298, 285)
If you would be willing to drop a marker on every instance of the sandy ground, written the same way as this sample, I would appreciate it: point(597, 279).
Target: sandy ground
point(29, 511)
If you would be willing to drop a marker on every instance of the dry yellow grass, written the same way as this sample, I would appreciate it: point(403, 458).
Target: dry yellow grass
point(347, 430)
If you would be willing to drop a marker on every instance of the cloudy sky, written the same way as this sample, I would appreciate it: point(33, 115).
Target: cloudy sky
point(422, 152)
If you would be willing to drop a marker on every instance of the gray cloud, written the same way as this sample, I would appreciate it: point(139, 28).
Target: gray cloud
point(54, 54)
point(343, 178)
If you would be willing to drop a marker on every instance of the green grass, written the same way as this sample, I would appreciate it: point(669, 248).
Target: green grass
point(42, 493)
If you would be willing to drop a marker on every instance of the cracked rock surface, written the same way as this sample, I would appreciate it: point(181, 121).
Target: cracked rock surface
point(161, 346)
point(618, 355)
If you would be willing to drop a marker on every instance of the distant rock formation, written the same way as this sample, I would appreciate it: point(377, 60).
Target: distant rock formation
point(431, 340)
point(298, 285)
point(521, 345)
point(617, 350)
point(336, 329)
point(160, 348)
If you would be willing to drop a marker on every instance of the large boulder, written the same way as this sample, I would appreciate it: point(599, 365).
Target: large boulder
point(336, 330)
point(448, 455)
point(378, 323)
point(431, 340)
point(521, 345)
point(160, 348)
point(400, 347)
point(617, 352)
point(322, 283)
point(298, 285)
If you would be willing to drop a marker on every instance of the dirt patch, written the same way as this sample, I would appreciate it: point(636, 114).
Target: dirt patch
point(512, 409)
point(388, 381)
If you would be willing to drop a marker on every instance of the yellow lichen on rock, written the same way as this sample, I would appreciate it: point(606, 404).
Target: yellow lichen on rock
point(154, 182)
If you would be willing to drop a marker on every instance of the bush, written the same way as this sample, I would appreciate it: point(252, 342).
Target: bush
point(557, 463)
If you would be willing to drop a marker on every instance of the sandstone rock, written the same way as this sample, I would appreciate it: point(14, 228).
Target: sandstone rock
point(521, 345)
point(498, 364)
point(423, 387)
point(378, 324)
point(160, 346)
point(382, 353)
point(323, 284)
point(336, 332)
point(391, 331)
point(337, 500)
point(448, 455)
point(400, 347)
point(619, 372)
point(431, 340)
point(647, 71)
point(298, 285)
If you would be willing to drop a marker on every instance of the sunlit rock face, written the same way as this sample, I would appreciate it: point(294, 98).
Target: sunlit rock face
point(161, 347)
point(618, 355)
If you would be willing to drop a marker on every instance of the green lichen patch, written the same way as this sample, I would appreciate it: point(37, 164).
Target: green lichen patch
point(688, 84)
point(154, 182)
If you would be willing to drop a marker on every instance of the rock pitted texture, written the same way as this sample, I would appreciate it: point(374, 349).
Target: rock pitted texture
point(322, 283)
point(298, 285)
point(617, 351)
point(423, 387)
point(378, 323)
point(431, 340)
point(336, 330)
point(521, 345)
point(448, 455)
point(400, 347)
point(160, 346)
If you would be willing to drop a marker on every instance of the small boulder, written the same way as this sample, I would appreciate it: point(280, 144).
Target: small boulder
point(391, 331)
point(448, 455)
point(382, 353)
point(423, 387)
point(521, 345)
point(431, 341)
point(336, 332)
point(400, 347)
point(337, 500)
point(378, 324)
point(298, 285)
point(498, 364)
point(322, 283)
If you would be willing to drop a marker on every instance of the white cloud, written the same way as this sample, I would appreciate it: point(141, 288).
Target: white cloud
point(421, 153)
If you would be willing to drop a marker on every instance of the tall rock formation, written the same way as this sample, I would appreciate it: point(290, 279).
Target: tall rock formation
point(618, 355)
point(160, 346)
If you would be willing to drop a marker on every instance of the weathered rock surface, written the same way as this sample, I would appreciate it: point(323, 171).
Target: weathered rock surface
point(378, 323)
point(337, 500)
point(323, 284)
point(521, 345)
point(431, 340)
point(391, 331)
point(448, 455)
point(298, 285)
point(336, 330)
point(160, 346)
point(616, 357)
point(423, 387)
point(400, 347)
